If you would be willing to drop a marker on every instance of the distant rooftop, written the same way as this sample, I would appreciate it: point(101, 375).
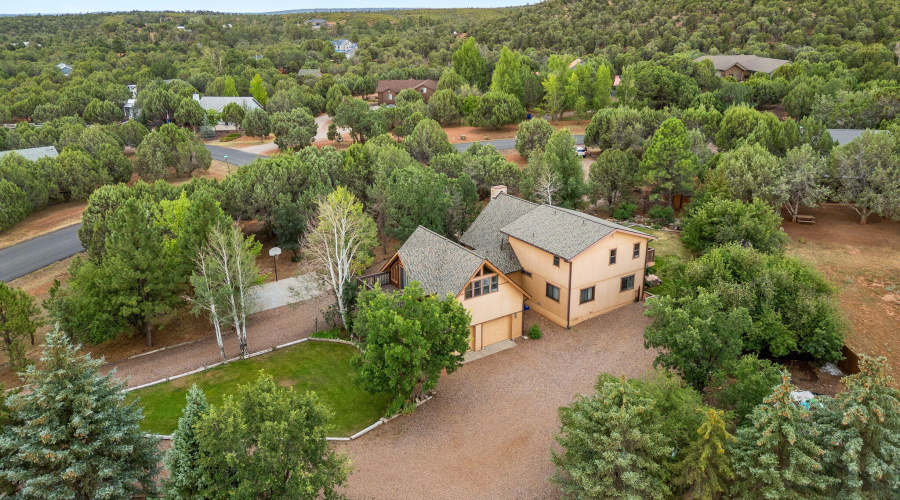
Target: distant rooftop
point(844, 135)
point(748, 62)
point(33, 154)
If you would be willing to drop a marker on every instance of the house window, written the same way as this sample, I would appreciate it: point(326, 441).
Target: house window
point(553, 292)
point(424, 89)
point(482, 286)
point(637, 250)
point(612, 256)
point(627, 283)
point(587, 295)
point(390, 97)
point(556, 261)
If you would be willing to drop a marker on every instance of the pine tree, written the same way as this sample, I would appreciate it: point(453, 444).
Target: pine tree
point(71, 434)
point(183, 459)
point(778, 454)
point(565, 163)
point(669, 164)
point(706, 468)
point(614, 448)
point(868, 433)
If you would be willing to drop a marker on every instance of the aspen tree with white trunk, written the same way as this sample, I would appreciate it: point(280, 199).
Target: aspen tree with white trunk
point(208, 295)
point(341, 242)
point(232, 266)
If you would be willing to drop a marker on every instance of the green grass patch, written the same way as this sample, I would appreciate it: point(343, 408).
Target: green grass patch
point(670, 253)
point(230, 137)
point(322, 367)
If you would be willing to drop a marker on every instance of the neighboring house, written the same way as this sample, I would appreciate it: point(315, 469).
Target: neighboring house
point(133, 89)
point(65, 68)
point(574, 64)
point(316, 23)
point(130, 109)
point(33, 154)
point(844, 135)
point(742, 66)
point(387, 90)
point(565, 265)
point(345, 47)
point(444, 267)
point(219, 103)
point(310, 72)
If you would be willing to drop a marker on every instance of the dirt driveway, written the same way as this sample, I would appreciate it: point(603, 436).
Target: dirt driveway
point(488, 432)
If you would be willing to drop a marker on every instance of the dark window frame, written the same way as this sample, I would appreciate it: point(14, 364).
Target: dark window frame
point(592, 290)
point(547, 291)
point(482, 286)
point(626, 283)
point(612, 256)
point(637, 251)
point(556, 260)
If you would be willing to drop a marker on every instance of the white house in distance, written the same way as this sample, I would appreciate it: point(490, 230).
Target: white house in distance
point(65, 68)
point(345, 47)
point(218, 103)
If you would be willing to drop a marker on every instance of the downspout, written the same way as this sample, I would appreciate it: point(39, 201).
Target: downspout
point(569, 299)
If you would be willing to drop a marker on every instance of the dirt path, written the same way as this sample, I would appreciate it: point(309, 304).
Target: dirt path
point(44, 221)
point(264, 331)
point(488, 432)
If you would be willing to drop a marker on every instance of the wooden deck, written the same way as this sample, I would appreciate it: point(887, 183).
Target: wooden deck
point(369, 281)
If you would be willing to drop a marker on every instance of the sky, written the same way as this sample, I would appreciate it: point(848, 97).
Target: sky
point(82, 6)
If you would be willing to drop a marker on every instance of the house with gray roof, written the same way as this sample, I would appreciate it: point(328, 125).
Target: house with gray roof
point(345, 47)
point(64, 68)
point(842, 136)
point(565, 265)
point(33, 154)
point(742, 66)
point(218, 103)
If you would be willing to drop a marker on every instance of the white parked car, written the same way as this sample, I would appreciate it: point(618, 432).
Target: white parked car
point(581, 150)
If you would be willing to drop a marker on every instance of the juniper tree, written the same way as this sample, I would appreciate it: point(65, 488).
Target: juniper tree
point(72, 435)
point(613, 447)
point(19, 319)
point(778, 454)
point(183, 459)
point(669, 164)
point(867, 438)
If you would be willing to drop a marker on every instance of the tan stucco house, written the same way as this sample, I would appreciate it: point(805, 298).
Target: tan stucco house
point(741, 67)
point(563, 264)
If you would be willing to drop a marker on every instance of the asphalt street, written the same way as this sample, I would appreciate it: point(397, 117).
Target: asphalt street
point(29, 256)
point(236, 157)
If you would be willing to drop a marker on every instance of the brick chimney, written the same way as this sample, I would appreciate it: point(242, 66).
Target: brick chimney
point(497, 190)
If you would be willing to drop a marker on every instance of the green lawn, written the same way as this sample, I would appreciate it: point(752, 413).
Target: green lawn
point(323, 367)
point(670, 252)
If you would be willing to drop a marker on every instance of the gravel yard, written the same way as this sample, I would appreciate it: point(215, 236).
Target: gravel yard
point(488, 432)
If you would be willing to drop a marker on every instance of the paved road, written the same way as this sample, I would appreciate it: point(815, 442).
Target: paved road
point(502, 144)
point(29, 256)
point(235, 156)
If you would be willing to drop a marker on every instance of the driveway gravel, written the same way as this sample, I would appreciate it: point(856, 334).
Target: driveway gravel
point(488, 432)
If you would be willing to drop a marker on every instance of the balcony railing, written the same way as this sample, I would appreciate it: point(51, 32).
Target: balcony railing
point(368, 282)
point(651, 256)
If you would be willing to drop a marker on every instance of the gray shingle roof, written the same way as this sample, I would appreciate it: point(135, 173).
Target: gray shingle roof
point(440, 265)
point(33, 154)
point(484, 234)
point(308, 72)
point(218, 103)
point(844, 135)
point(561, 231)
point(750, 62)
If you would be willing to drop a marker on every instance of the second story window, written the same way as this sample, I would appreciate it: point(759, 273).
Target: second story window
point(556, 261)
point(612, 256)
point(637, 250)
point(482, 286)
